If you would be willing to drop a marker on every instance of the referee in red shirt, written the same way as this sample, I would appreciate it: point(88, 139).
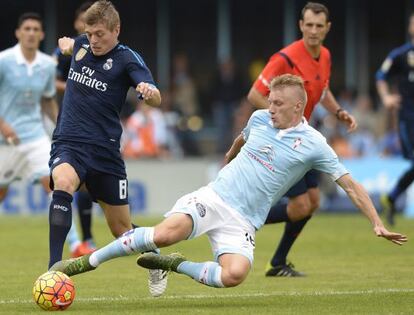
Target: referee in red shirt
point(309, 59)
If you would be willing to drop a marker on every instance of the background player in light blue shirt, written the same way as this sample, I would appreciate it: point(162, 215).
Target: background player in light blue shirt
point(27, 86)
point(276, 149)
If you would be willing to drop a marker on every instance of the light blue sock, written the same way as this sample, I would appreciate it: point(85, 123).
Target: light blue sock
point(208, 273)
point(136, 240)
point(73, 237)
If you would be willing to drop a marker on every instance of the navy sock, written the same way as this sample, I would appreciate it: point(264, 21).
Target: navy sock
point(402, 184)
point(278, 213)
point(84, 203)
point(292, 230)
point(60, 221)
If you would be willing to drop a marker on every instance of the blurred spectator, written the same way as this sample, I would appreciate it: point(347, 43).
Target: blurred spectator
point(389, 144)
point(145, 133)
point(341, 146)
point(368, 118)
point(346, 98)
point(364, 140)
point(185, 101)
point(184, 90)
point(227, 90)
point(172, 120)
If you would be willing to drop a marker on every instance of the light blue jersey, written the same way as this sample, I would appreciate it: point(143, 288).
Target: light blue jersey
point(22, 86)
point(270, 162)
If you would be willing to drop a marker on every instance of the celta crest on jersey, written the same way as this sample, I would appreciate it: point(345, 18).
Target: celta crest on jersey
point(86, 78)
point(298, 142)
point(108, 64)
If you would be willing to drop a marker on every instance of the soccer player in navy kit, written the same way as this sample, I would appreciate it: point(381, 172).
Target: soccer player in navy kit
point(399, 64)
point(86, 141)
point(82, 198)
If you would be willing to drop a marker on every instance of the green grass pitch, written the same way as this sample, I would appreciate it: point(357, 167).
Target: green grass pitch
point(350, 271)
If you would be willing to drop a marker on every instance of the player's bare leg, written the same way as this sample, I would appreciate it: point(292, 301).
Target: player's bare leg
point(231, 270)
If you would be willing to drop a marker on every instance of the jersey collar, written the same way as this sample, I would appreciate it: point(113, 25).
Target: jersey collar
point(20, 59)
point(283, 132)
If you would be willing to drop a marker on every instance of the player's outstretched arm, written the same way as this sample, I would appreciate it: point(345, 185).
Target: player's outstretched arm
point(362, 201)
point(149, 93)
point(66, 45)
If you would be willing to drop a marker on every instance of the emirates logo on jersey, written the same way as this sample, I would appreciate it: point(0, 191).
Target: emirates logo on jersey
point(86, 77)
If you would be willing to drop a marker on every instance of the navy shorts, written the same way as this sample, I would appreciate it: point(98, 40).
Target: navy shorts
point(310, 180)
point(101, 169)
point(406, 131)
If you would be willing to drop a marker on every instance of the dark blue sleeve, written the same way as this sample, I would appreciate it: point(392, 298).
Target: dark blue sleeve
point(79, 41)
point(137, 69)
point(63, 65)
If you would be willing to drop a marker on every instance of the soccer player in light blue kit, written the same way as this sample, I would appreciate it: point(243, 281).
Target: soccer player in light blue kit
point(274, 151)
point(27, 87)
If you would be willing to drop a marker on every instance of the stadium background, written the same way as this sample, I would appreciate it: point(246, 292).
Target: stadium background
point(208, 32)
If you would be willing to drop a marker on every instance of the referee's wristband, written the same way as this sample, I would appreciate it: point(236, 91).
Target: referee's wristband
point(338, 111)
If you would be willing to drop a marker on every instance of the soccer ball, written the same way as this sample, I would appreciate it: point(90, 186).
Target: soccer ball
point(54, 291)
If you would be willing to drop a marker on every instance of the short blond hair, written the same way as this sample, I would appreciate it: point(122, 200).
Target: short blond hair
point(104, 12)
point(290, 80)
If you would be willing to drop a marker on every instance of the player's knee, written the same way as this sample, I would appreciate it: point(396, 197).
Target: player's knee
point(233, 276)
point(64, 183)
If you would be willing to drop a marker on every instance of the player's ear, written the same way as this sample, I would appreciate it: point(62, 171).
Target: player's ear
point(17, 33)
point(301, 25)
point(328, 27)
point(42, 35)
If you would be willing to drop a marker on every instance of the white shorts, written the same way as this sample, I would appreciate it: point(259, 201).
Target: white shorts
point(227, 230)
point(24, 161)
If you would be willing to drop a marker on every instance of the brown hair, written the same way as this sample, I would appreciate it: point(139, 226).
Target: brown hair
point(316, 8)
point(104, 12)
point(29, 16)
point(290, 80)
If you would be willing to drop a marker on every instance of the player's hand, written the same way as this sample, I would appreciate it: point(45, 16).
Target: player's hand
point(348, 119)
point(66, 45)
point(396, 238)
point(9, 135)
point(391, 101)
point(146, 90)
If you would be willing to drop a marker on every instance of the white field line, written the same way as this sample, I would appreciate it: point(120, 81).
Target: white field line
point(224, 296)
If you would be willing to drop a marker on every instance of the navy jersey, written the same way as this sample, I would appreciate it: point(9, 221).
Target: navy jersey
point(96, 89)
point(399, 65)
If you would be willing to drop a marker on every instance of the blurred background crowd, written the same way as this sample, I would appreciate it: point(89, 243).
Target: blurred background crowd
point(206, 55)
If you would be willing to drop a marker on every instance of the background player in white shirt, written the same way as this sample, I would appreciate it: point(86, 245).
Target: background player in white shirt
point(27, 87)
